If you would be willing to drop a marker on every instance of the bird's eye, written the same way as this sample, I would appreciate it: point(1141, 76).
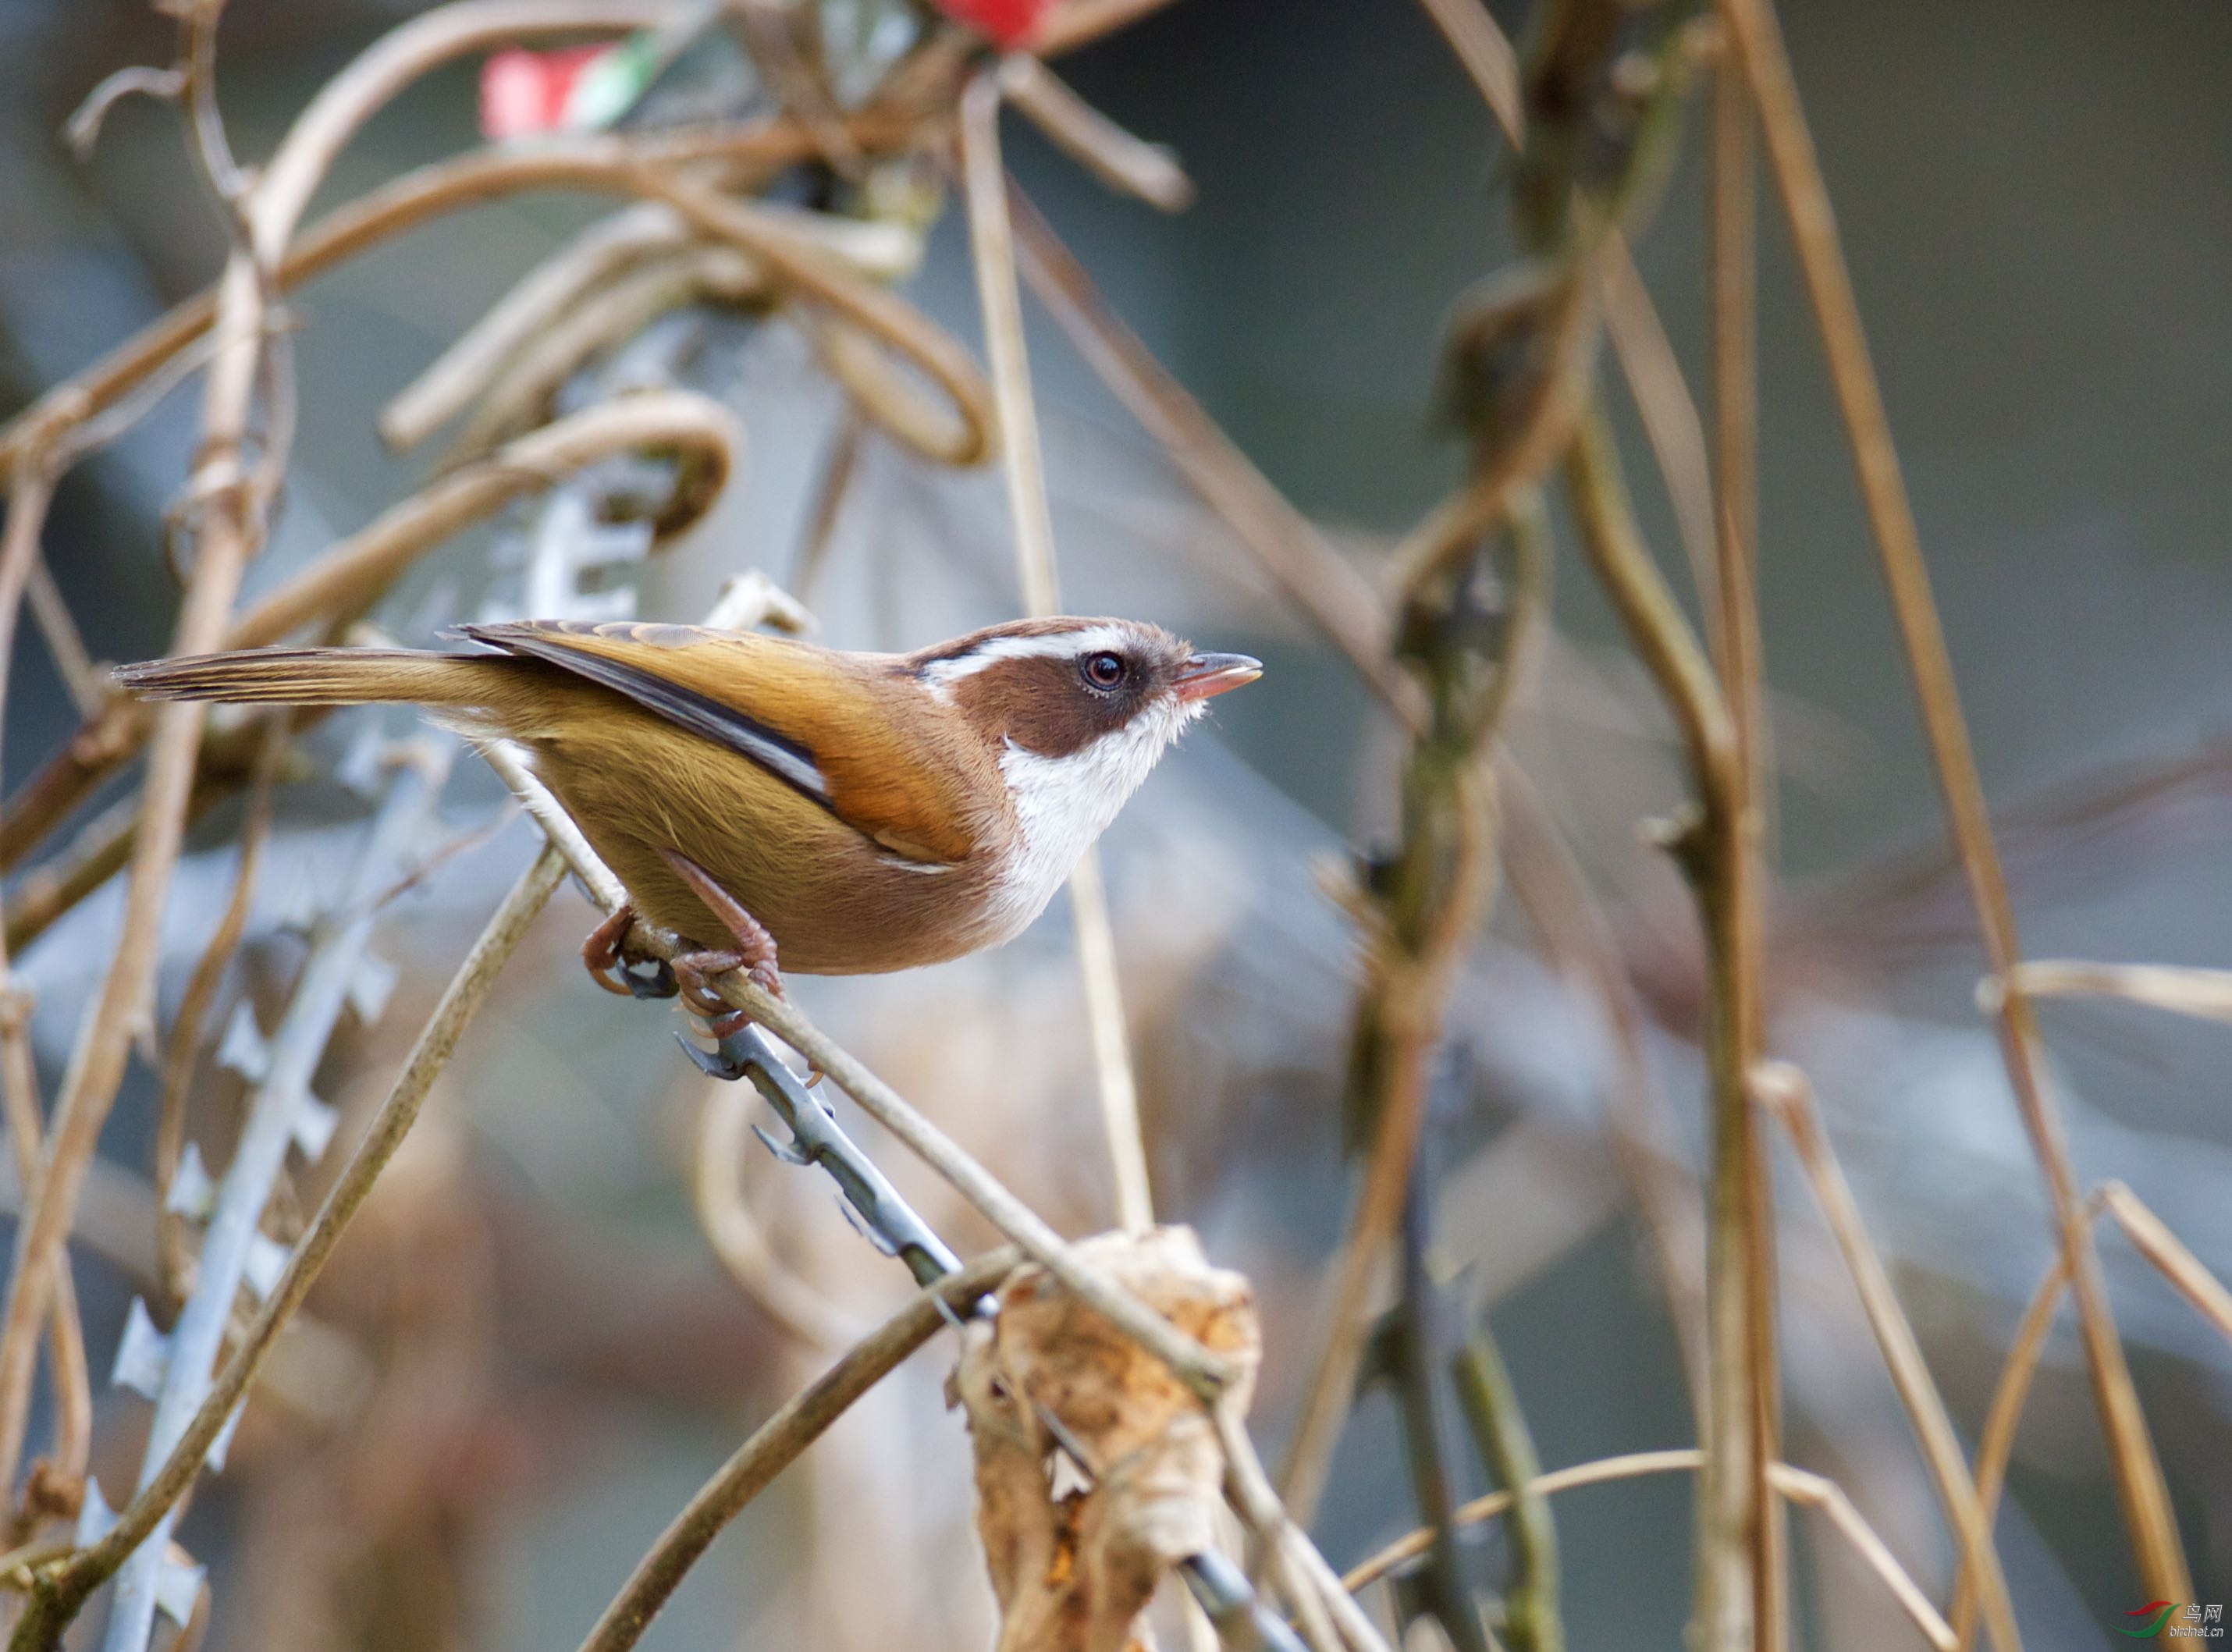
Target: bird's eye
point(1104, 670)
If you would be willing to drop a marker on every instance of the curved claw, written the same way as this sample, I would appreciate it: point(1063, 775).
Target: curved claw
point(656, 981)
point(604, 956)
point(714, 1063)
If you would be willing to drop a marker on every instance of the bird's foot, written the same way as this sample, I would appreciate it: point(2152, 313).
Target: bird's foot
point(754, 952)
point(605, 956)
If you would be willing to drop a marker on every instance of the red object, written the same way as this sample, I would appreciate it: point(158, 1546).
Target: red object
point(1006, 23)
point(523, 94)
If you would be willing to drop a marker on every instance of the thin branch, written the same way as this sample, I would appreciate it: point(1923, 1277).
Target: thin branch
point(1248, 1489)
point(992, 245)
point(1817, 1492)
point(1532, 1619)
point(1439, 886)
point(1488, 56)
point(1740, 1588)
point(184, 1051)
point(840, 463)
point(58, 1592)
point(28, 498)
point(88, 689)
point(1284, 542)
point(455, 377)
point(2140, 1484)
point(1671, 422)
point(2151, 1237)
point(777, 1442)
point(1091, 138)
point(745, 153)
point(2206, 994)
point(1079, 22)
point(1783, 1091)
point(1577, 937)
point(1492, 1504)
point(522, 394)
point(1794, 1484)
point(1995, 1444)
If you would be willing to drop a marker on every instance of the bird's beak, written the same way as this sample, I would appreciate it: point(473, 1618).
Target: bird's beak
point(1208, 674)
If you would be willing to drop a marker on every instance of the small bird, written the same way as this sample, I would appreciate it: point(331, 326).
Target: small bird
point(847, 814)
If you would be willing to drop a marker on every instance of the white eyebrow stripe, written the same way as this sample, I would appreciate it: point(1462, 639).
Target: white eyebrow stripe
point(1062, 645)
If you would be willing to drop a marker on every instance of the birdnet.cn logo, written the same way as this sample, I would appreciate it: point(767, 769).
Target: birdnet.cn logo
point(2175, 1621)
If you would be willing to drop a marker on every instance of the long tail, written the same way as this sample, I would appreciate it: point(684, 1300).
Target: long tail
point(322, 676)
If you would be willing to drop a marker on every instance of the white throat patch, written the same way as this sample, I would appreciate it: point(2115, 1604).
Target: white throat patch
point(1064, 804)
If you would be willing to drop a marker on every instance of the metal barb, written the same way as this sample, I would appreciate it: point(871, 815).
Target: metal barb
point(1241, 1617)
point(816, 1138)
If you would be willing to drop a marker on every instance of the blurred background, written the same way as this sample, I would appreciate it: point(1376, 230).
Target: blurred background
point(529, 1354)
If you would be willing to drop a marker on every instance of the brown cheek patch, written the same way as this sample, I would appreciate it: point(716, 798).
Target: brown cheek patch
point(1042, 705)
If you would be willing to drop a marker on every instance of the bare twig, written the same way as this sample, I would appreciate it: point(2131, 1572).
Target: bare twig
point(184, 1051)
point(839, 466)
point(1487, 57)
point(1079, 22)
point(28, 502)
point(457, 377)
point(1794, 1484)
point(88, 688)
point(520, 396)
point(1740, 1588)
point(992, 243)
point(1286, 543)
point(1818, 1492)
point(2151, 1237)
point(1439, 885)
point(2203, 993)
point(1091, 138)
point(777, 1442)
point(1783, 1091)
point(1671, 421)
point(1995, 1443)
point(2140, 1484)
point(394, 208)
point(1578, 936)
point(1532, 1619)
point(82, 132)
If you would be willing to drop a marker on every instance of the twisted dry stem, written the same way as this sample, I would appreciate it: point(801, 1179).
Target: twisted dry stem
point(2140, 1484)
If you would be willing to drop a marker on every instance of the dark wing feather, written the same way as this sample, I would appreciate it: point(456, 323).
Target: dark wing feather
point(702, 715)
